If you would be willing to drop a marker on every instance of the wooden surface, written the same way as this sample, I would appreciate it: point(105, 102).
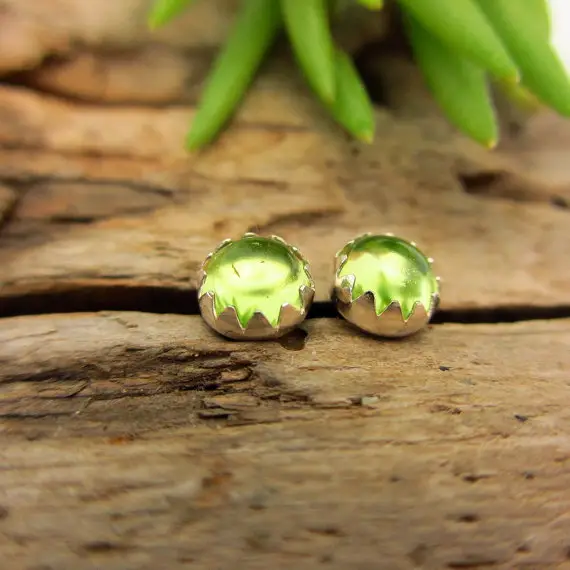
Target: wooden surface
point(137, 440)
point(113, 185)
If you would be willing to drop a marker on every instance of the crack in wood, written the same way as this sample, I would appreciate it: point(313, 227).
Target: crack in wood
point(83, 153)
point(112, 453)
point(9, 209)
point(510, 186)
point(159, 299)
point(31, 181)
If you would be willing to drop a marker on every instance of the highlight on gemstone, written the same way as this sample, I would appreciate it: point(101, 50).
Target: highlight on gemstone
point(391, 269)
point(256, 276)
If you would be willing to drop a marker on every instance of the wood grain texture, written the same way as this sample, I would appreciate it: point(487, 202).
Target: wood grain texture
point(8, 199)
point(497, 232)
point(45, 38)
point(132, 440)
point(135, 441)
point(34, 31)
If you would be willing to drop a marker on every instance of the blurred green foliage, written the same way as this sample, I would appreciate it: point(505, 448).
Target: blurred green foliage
point(459, 45)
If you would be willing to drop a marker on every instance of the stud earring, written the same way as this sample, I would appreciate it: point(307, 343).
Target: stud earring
point(255, 288)
point(385, 285)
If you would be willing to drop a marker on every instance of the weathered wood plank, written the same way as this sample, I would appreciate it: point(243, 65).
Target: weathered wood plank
point(61, 364)
point(135, 441)
point(36, 32)
point(115, 202)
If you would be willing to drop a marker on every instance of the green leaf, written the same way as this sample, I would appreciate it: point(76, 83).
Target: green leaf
point(458, 85)
point(252, 34)
point(520, 94)
point(462, 27)
point(165, 10)
point(539, 12)
point(372, 4)
point(308, 28)
point(523, 34)
point(352, 107)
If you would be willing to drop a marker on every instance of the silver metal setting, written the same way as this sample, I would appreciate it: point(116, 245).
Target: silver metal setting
point(258, 328)
point(361, 312)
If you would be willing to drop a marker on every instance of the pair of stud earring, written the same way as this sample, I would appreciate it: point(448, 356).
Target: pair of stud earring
point(258, 288)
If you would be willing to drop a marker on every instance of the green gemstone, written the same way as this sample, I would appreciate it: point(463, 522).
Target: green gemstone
point(392, 269)
point(256, 274)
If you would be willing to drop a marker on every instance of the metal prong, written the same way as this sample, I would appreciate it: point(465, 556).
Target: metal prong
point(222, 244)
point(206, 259)
point(290, 316)
point(307, 294)
point(340, 261)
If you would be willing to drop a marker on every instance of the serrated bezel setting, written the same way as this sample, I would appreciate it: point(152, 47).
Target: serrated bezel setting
point(258, 326)
point(361, 311)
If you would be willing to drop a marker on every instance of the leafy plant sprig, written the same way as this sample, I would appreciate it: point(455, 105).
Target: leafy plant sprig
point(459, 45)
